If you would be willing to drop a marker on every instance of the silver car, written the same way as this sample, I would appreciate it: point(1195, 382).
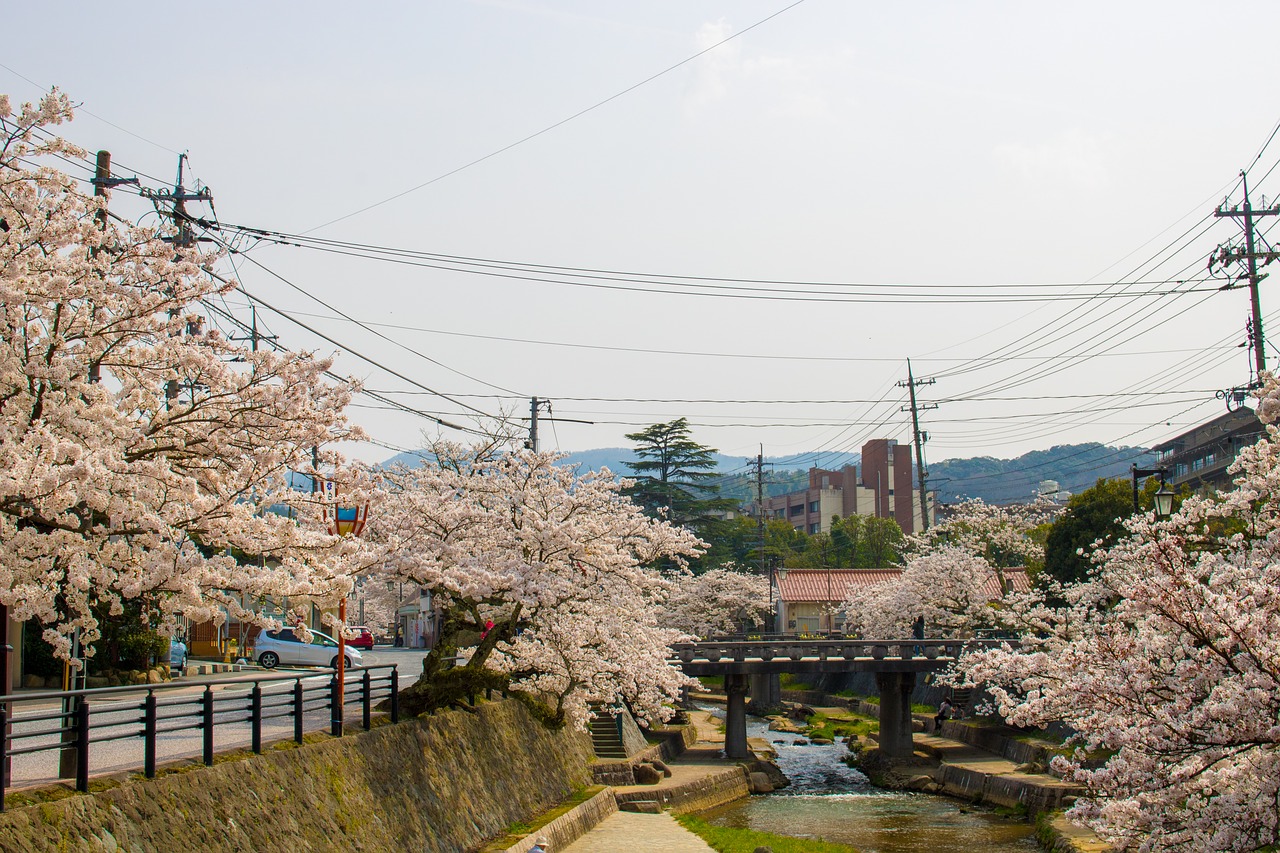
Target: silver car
point(273, 648)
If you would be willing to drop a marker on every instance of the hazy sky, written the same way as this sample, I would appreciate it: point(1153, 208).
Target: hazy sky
point(843, 187)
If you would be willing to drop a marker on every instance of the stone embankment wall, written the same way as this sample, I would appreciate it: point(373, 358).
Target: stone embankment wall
point(438, 784)
point(997, 740)
point(696, 795)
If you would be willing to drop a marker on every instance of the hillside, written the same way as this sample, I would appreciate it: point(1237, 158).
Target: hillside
point(1075, 466)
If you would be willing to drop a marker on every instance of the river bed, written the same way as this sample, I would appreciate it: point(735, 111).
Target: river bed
point(830, 800)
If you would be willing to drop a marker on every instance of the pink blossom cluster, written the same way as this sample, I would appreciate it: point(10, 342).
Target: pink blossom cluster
point(561, 564)
point(137, 459)
point(1166, 664)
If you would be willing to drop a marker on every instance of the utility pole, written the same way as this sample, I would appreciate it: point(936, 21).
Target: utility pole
point(102, 181)
point(1226, 254)
point(760, 531)
point(920, 439)
point(177, 202)
point(254, 335)
point(535, 404)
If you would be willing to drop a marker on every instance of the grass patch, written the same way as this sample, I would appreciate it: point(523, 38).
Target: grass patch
point(918, 708)
point(712, 681)
point(822, 726)
point(791, 682)
point(726, 840)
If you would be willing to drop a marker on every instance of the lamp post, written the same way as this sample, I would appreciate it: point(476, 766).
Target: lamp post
point(1163, 497)
point(779, 572)
point(342, 521)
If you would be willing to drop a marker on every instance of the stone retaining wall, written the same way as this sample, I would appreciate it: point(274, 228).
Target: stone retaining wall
point(705, 793)
point(999, 741)
point(439, 784)
point(1038, 793)
point(571, 825)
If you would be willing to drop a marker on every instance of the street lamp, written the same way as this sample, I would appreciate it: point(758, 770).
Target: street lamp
point(342, 521)
point(1164, 497)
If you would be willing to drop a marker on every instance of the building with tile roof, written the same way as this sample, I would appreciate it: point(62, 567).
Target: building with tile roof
point(807, 598)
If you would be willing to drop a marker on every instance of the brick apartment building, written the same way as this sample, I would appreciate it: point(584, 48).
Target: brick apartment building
point(882, 486)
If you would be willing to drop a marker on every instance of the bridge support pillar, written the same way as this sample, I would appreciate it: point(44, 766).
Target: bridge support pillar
point(735, 734)
point(766, 691)
point(895, 712)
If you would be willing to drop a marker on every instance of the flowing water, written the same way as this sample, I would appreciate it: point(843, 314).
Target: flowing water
point(828, 799)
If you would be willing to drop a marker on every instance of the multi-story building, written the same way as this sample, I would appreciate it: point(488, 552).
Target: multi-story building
point(885, 489)
point(1200, 457)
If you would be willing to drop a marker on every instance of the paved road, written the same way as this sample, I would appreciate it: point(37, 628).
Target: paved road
point(121, 718)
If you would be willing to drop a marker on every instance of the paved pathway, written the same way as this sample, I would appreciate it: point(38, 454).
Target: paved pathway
point(651, 833)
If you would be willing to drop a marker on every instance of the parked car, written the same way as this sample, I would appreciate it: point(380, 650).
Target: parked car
point(363, 638)
point(177, 654)
point(273, 648)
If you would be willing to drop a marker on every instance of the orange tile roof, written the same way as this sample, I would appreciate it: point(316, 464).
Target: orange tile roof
point(833, 584)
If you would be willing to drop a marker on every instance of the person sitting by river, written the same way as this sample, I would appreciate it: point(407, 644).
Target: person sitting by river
point(945, 711)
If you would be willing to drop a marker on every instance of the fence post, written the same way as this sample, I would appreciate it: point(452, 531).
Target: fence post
point(255, 714)
point(150, 718)
point(395, 694)
point(4, 752)
point(335, 707)
point(367, 699)
point(207, 723)
point(82, 745)
point(297, 711)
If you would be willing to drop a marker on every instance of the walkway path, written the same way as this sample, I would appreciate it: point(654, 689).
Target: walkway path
point(651, 833)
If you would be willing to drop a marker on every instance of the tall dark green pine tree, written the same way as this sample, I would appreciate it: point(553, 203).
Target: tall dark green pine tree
point(675, 473)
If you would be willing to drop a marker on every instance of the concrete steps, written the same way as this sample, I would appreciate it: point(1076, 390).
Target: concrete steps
point(605, 739)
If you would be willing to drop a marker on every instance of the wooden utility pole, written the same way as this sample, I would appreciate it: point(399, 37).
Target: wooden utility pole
point(920, 439)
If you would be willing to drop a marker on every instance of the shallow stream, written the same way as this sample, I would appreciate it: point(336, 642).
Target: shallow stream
point(827, 799)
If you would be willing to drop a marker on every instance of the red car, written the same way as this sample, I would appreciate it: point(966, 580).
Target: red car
point(363, 638)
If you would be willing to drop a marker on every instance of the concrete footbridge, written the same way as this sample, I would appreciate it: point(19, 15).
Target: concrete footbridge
point(752, 664)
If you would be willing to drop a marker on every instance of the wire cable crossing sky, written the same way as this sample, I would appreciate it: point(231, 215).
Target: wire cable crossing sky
point(780, 205)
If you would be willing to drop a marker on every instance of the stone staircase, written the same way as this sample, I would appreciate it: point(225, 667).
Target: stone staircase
point(604, 735)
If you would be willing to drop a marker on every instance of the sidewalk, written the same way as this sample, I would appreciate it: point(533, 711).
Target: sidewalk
point(651, 833)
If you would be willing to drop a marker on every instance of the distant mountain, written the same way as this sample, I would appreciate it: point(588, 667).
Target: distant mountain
point(616, 459)
point(1075, 467)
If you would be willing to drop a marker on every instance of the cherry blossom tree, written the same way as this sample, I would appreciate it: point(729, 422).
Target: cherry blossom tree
point(955, 592)
point(139, 457)
point(1166, 662)
point(955, 578)
point(558, 563)
point(716, 602)
point(1005, 536)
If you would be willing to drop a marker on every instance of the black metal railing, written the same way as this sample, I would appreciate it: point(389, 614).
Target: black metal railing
point(76, 720)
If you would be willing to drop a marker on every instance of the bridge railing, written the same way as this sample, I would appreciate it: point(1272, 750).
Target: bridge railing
point(768, 647)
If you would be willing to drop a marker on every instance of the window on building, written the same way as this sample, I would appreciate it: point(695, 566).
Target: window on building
point(814, 506)
point(797, 509)
point(816, 527)
point(779, 513)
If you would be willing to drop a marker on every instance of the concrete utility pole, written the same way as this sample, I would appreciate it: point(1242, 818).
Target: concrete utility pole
point(535, 404)
point(1226, 254)
point(760, 531)
point(920, 439)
